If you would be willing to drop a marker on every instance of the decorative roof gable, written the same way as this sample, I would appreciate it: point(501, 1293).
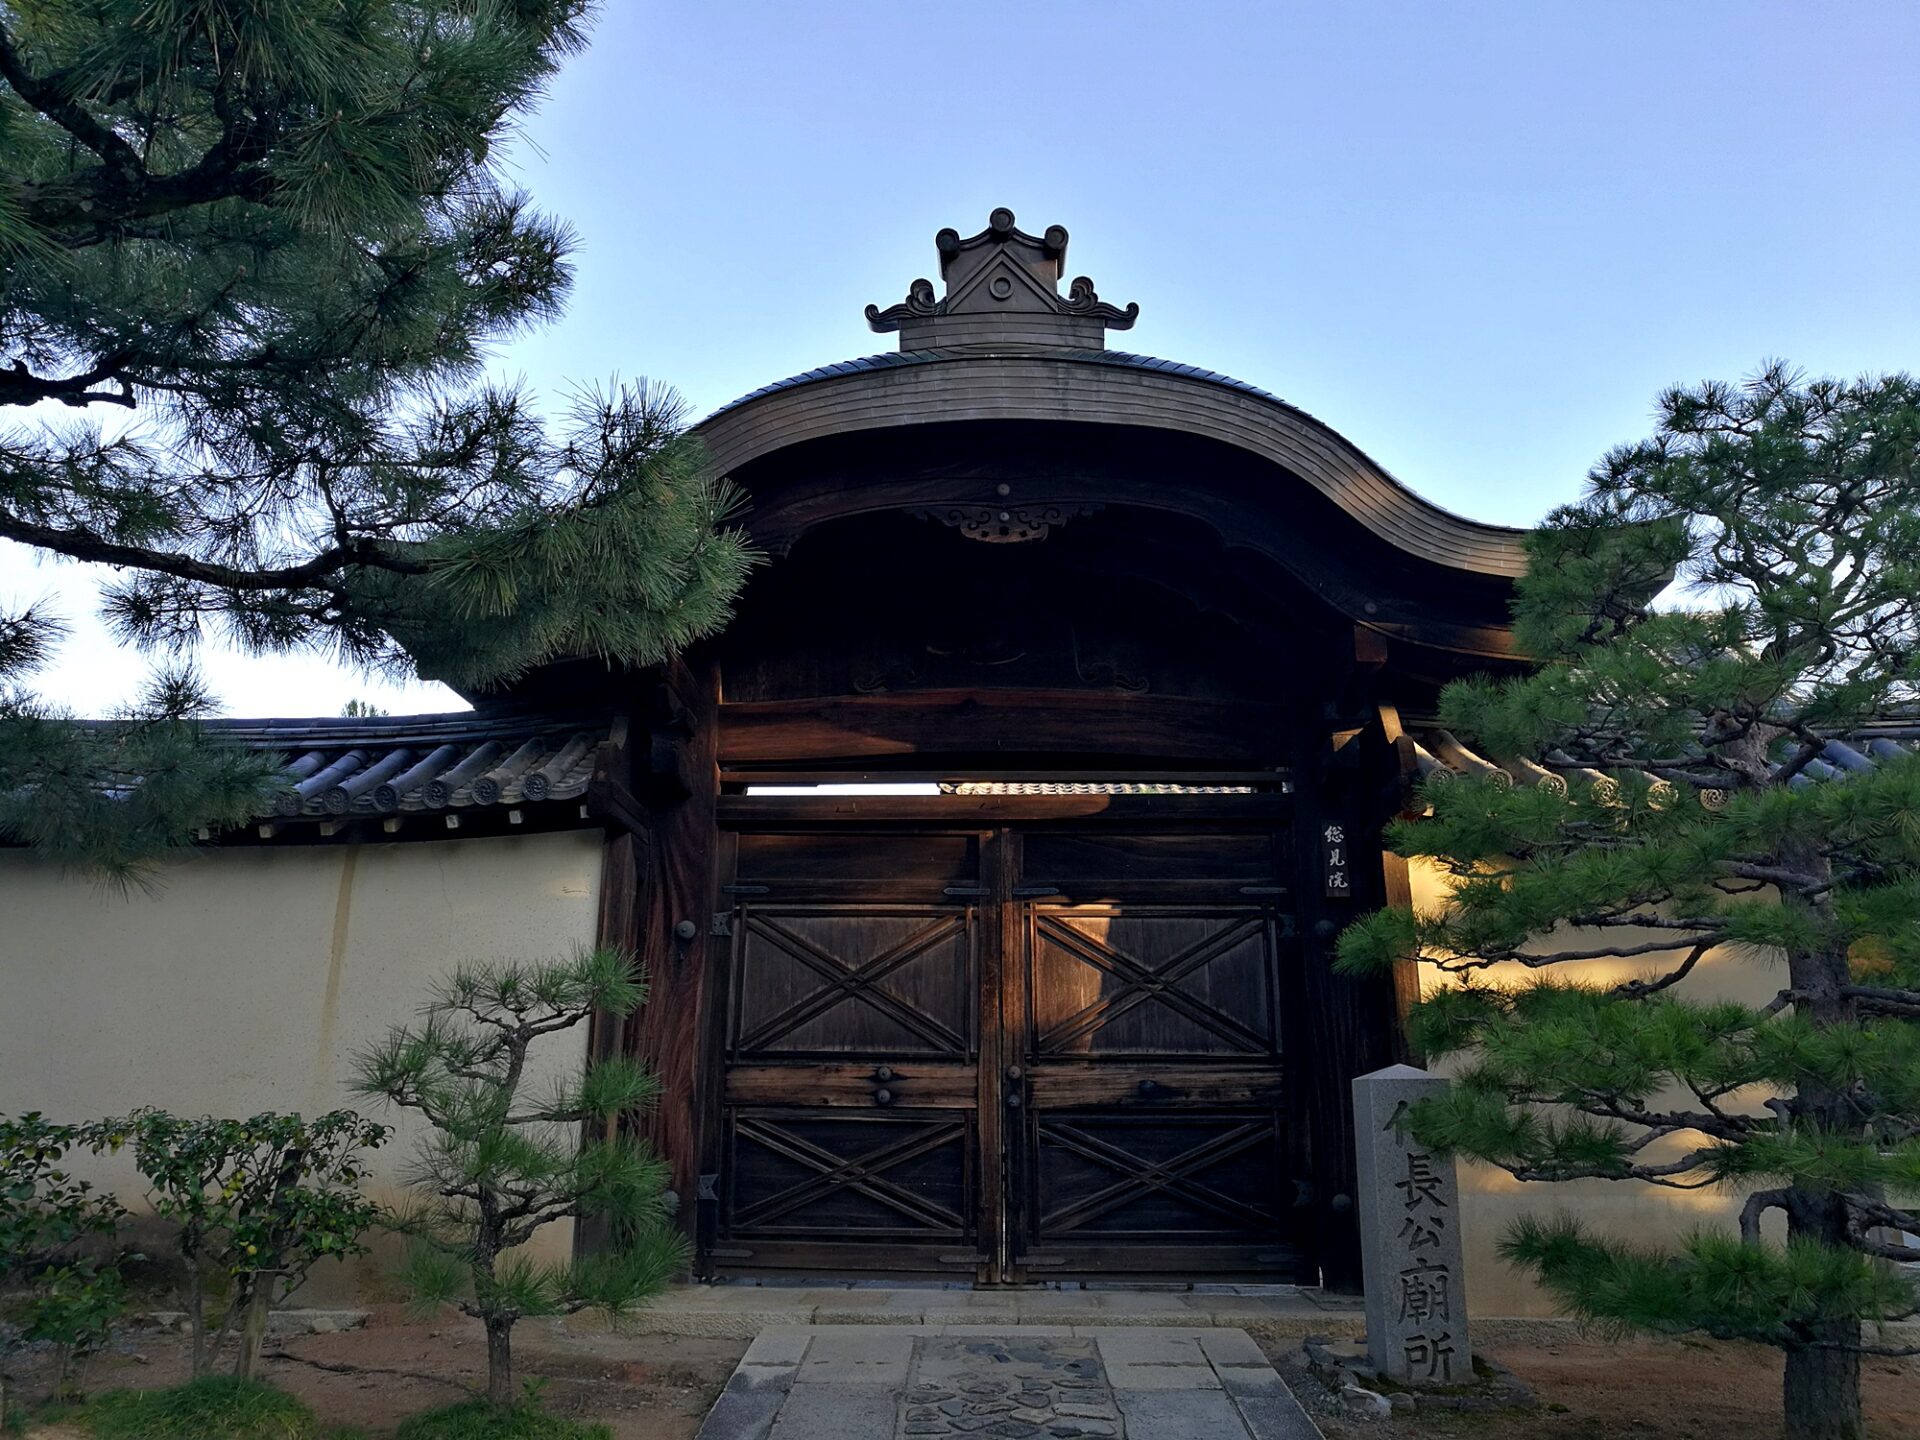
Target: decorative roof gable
point(1003, 289)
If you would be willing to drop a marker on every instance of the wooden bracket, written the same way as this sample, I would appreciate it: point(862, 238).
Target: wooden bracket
point(611, 801)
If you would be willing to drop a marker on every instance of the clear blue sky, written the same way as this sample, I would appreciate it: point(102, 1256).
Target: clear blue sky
point(1476, 238)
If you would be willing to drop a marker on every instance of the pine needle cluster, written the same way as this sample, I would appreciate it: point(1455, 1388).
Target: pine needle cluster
point(272, 244)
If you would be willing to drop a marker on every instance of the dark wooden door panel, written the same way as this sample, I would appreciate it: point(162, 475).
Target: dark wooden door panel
point(1153, 1136)
point(856, 868)
point(871, 983)
point(1208, 867)
point(1186, 1179)
point(850, 1093)
point(1147, 982)
point(885, 1191)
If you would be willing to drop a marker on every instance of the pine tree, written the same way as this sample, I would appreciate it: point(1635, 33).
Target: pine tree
point(500, 1163)
point(1711, 803)
point(270, 243)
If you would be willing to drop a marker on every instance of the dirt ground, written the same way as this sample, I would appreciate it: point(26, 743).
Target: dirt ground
point(647, 1387)
point(650, 1387)
point(1646, 1390)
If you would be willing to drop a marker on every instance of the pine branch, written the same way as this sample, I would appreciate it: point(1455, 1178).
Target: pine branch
point(1640, 989)
point(85, 545)
point(53, 102)
point(1757, 1204)
point(1877, 1000)
point(20, 386)
point(1534, 959)
point(1872, 1212)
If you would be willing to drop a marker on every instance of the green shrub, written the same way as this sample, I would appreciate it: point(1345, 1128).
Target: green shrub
point(477, 1420)
point(214, 1407)
point(48, 1220)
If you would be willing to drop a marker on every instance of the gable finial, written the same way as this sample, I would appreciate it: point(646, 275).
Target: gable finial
point(1003, 289)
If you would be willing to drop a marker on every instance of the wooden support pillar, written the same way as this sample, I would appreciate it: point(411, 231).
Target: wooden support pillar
point(623, 865)
point(1349, 1025)
point(668, 1034)
point(1396, 884)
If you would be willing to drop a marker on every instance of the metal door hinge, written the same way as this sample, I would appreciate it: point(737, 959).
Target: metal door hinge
point(707, 1187)
point(965, 892)
point(722, 923)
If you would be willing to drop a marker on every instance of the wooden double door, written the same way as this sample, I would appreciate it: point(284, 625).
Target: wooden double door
point(1006, 1054)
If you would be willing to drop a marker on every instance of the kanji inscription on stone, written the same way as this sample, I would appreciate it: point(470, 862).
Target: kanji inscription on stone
point(1409, 1212)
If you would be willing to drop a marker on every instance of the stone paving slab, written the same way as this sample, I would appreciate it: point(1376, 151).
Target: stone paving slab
point(1271, 1312)
point(1024, 1382)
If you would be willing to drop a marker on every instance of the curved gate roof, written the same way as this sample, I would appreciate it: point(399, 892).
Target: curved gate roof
point(1004, 344)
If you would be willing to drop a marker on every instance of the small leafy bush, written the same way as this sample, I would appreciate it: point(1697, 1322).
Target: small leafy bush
point(257, 1202)
point(46, 1218)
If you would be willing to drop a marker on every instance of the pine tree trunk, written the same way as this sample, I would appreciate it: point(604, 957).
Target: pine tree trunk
point(1821, 1394)
point(499, 1362)
point(1821, 1391)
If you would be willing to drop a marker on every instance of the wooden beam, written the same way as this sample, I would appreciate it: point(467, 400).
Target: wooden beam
point(1369, 647)
point(763, 811)
point(1272, 779)
point(981, 722)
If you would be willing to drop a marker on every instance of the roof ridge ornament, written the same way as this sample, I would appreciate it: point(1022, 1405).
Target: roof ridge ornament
point(1003, 289)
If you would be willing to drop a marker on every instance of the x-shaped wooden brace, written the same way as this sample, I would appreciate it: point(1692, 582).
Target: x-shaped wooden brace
point(1141, 983)
point(1142, 1175)
point(854, 982)
point(860, 1172)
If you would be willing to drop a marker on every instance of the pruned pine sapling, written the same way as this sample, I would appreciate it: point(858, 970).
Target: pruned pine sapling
point(506, 1157)
point(1723, 798)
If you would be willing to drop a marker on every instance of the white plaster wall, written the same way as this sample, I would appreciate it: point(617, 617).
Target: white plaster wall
point(1491, 1199)
point(247, 978)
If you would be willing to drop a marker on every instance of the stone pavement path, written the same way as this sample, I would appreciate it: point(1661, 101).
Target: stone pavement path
point(1011, 1385)
point(866, 1382)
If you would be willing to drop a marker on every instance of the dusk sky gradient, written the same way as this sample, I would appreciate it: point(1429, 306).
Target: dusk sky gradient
point(1476, 239)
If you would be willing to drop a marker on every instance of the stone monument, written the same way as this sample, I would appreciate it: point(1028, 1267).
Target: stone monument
point(1409, 1212)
